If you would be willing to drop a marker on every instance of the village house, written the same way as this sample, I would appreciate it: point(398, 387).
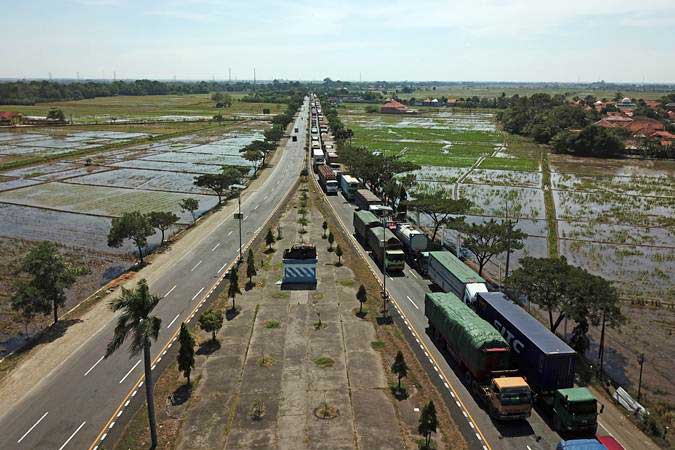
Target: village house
point(10, 118)
point(394, 107)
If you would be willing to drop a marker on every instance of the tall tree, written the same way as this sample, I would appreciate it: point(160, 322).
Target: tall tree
point(485, 240)
point(131, 225)
point(544, 282)
point(338, 253)
point(250, 266)
point(399, 368)
point(331, 240)
point(190, 204)
point(162, 220)
point(254, 156)
point(428, 422)
point(136, 306)
point(442, 209)
point(324, 226)
point(211, 321)
point(221, 182)
point(269, 239)
point(362, 297)
point(48, 275)
point(233, 288)
point(186, 352)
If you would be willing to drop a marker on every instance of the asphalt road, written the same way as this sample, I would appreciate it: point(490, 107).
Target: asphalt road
point(407, 291)
point(69, 408)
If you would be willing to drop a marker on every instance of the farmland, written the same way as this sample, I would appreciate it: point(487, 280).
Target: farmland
point(613, 217)
point(71, 199)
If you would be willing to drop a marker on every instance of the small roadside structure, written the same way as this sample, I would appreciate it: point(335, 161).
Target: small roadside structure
point(10, 118)
point(299, 263)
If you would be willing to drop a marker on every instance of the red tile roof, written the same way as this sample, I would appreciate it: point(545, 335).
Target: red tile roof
point(9, 115)
point(645, 126)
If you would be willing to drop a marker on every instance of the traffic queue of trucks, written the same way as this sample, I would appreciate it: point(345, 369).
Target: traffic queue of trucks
point(507, 357)
point(327, 179)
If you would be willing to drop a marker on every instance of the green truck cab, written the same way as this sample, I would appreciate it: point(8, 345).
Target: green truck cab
point(573, 410)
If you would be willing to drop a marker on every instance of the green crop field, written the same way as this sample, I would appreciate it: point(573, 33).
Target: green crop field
point(466, 91)
point(146, 107)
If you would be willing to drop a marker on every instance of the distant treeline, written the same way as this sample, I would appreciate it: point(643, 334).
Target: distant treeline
point(31, 92)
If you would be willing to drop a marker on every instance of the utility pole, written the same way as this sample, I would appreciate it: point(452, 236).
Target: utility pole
point(384, 256)
point(602, 344)
point(229, 74)
point(641, 361)
point(114, 75)
point(238, 216)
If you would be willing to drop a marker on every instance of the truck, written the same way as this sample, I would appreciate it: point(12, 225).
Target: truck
point(387, 249)
point(362, 221)
point(363, 199)
point(317, 157)
point(450, 274)
point(348, 186)
point(481, 354)
point(414, 241)
point(327, 179)
point(545, 361)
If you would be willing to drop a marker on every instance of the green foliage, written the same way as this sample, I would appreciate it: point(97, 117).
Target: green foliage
point(190, 204)
point(591, 141)
point(399, 367)
point(162, 220)
point(41, 286)
point(186, 352)
point(324, 362)
point(428, 422)
point(441, 208)
point(338, 253)
point(211, 321)
point(579, 340)
point(233, 288)
point(271, 324)
point(250, 266)
point(220, 182)
point(491, 238)
point(377, 345)
point(362, 297)
point(135, 320)
point(56, 114)
point(331, 240)
point(324, 226)
point(132, 225)
point(269, 239)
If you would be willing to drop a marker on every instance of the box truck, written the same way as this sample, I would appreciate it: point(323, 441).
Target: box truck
point(327, 179)
point(387, 249)
point(362, 221)
point(348, 186)
point(450, 274)
point(364, 199)
point(481, 353)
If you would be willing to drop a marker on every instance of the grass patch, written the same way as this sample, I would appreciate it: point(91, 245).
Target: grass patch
point(519, 164)
point(281, 294)
point(324, 362)
point(377, 345)
point(346, 283)
point(271, 324)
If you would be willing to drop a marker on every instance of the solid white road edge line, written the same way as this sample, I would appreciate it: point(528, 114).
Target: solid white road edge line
point(95, 364)
point(31, 428)
point(129, 372)
point(174, 319)
point(72, 435)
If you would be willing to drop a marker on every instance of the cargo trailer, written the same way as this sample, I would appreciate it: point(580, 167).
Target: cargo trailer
point(481, 353)
point(349, 185)
point(544, 360)
point(362, 221)
point(327, 179)
point(363, 198)
point(450, 274)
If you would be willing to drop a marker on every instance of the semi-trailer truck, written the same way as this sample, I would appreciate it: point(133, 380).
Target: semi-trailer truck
point(450, 274)
point(348, 186)
point(363, 198)
point(318, 157)
point(327, 179)
point(482, 353)
point(362, 221)
point(545, 361)
point(414, 242)
point(387, 249)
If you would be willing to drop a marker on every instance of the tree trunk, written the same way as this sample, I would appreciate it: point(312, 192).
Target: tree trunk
point(150, 395)
point(140, 252)
point(437, 225)
point(399, 382)
point(234, 305)
point(213, 335)
point(550, 319)
point(162, 230)
point(55, 309)
point(508, 251)
point(601, 349)
point(188, 377)
point(558, 321)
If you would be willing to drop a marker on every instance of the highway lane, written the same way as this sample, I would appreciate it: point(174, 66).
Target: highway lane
point(75, 401)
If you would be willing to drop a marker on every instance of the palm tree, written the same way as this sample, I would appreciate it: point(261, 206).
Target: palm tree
point(135, 320)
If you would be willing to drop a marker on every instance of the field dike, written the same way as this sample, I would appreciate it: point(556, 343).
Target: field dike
point(549, 204)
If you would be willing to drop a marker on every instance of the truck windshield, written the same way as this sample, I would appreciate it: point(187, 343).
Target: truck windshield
point(395, 256)
point(582, 407)
point(515, 397)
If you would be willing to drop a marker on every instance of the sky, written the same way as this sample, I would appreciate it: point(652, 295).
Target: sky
point(395, 40)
